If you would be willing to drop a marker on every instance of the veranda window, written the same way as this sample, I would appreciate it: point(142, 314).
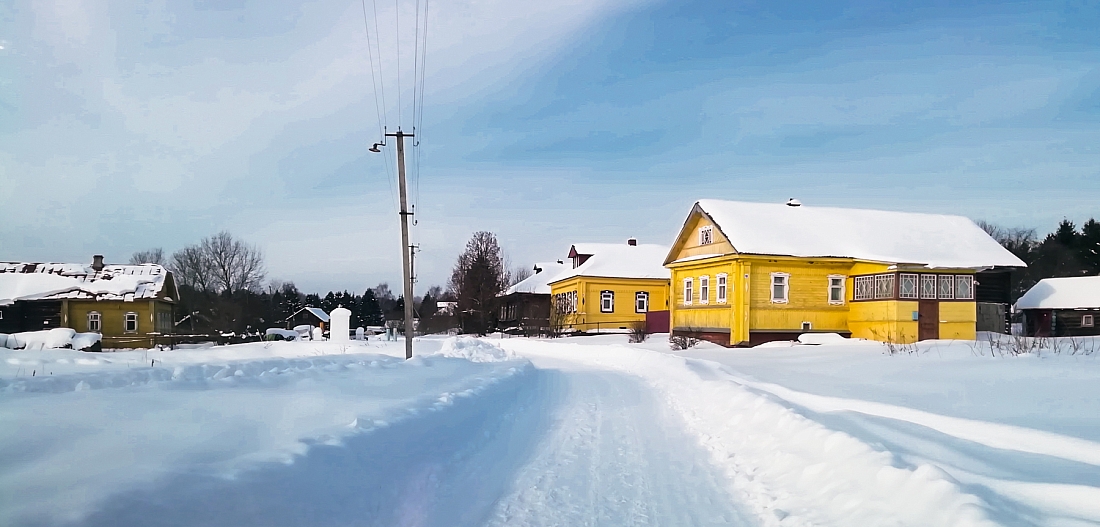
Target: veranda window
point(928, 287)
point(884, 286)
point(947, 286)
point(908, 286)
point(964, 287)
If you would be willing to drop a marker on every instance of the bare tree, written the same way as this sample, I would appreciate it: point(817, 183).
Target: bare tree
point(192, 268)
point(235, 265)
point(518, 274)
point(153, 256)
point(477, 278)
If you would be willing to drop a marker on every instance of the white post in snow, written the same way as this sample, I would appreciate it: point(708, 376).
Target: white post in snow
point(340, 325)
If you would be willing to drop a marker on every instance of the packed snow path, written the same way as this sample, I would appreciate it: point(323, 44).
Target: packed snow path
point(614, 455)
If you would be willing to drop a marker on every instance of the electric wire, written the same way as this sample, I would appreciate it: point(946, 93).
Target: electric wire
point(378, 92)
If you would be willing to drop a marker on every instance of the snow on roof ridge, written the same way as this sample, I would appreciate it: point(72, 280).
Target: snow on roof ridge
point(933, 240)
point(1071, 292)
point(620, 260)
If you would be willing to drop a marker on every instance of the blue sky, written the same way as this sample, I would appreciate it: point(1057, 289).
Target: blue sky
point(137, 125)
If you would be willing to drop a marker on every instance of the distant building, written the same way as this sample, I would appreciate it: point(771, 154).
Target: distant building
point(747, 273)
point(611, 286)
point(308, 316)
point(1062, 307)
point(526, 305)
point(132, 306)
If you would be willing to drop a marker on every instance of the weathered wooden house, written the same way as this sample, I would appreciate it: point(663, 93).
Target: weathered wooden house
point(747, 273)
point(314, 317)
point(132, 306)
point(611, 286)
point(1062, 307)
point(525, 306)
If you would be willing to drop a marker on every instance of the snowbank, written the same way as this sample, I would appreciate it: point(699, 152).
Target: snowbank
point(210, 419)
point(473, 349)
point(55, 338)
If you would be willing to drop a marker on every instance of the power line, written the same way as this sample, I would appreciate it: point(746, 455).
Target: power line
point(397, 39)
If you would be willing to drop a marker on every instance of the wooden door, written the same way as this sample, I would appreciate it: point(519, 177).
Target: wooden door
point(928, 320)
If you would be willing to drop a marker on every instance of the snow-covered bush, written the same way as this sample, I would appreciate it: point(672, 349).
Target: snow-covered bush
point(51, 339)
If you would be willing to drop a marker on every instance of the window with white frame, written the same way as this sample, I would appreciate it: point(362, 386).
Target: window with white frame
point(865, 288)
point(130, 322)
point(947, 286)
point(688, 292)
point(928, 286)
point(720, 289)
point(704, 289)
point(95, 321)
point(607, 301)
point(964, 287)
point(706, 235)
point(641, 302)
point(1086, 321)
point(884, 286)
point(836, 289)
point(780, 287)
point(572, 301)
point(908, 286)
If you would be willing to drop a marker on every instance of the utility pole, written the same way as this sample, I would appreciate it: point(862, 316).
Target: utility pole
point(406, 250)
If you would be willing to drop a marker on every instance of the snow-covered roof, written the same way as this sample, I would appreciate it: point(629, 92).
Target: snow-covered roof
point(538, 283)
point(58, 281)
point(933, 240)
point(315, 311)
point(1062, 293)
point(614, 260)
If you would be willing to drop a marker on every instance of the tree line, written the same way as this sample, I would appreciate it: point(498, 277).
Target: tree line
point(1068, 251)
point(222, 288)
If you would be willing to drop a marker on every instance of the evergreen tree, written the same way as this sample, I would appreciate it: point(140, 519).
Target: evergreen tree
point(1088, 246)
point(313, 300)
point(369, 310)
point(329, 302)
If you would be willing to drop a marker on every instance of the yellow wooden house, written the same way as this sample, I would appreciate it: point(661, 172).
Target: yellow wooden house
point(610, 286)
point(130, 306)
point(746, 273)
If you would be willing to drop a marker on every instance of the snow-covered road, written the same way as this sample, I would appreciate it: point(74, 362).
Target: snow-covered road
point(586, 431)
point(614, 455)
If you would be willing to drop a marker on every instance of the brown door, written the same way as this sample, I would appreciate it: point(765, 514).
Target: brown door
point(928, 320)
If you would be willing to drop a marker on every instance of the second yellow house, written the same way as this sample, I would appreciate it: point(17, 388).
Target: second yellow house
point(747, 273)
point(611, 286)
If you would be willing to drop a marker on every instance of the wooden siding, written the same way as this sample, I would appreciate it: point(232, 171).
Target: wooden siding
point(687, 244)
point(589, 317)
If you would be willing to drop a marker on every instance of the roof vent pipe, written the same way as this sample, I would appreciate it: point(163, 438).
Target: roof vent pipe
point(632, 242)
point(97, 263)
point(794, 203)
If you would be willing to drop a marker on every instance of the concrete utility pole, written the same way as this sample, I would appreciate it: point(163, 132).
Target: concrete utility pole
point(406, 250)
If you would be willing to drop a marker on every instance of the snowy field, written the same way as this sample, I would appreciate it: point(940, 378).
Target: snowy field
point(574, 431)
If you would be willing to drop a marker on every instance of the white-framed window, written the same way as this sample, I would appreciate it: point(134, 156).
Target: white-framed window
point(806, 326)
point(908, 286)
point(780, 288)
point(947, 286)
point(964, 287)
point(1087, 321)
point(721, 288)
point(130, 322)
point(688, 291)
point(928, 286)
point(607, 301)
point(884, 286)
point(865, 288)
point(641, 302)
point(704, 289)
point(706, 235)
point(836, 289)
point(95, 321)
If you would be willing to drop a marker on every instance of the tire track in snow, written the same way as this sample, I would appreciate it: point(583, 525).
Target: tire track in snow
point(790, 469)
point(615, 456)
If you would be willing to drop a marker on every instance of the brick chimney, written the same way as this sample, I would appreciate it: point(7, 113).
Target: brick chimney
point(632, 242)
point(97, 263)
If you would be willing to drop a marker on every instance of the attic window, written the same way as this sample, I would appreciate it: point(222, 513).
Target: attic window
point(706, 235)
